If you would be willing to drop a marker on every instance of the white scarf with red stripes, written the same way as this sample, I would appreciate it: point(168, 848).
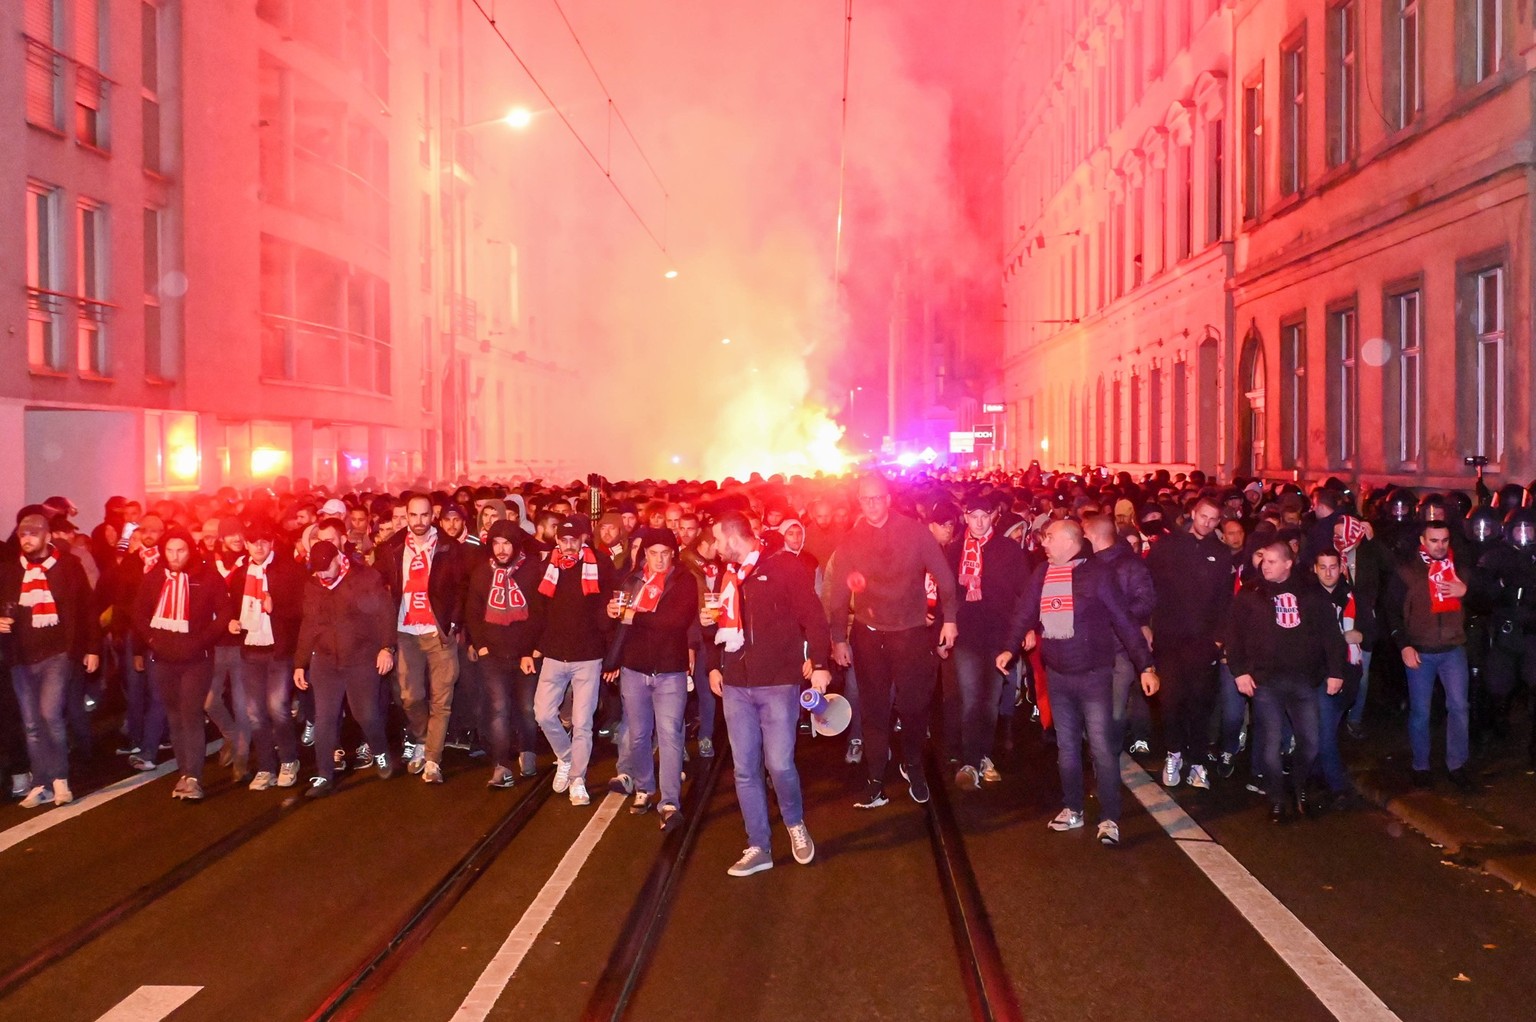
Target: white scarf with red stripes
point(253, 618)
point(1347, 622)
point(173, 611)
point(36, 594)
point(732, 635)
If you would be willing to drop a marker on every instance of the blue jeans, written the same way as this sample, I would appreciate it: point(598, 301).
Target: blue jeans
point(40, 690)
point(1132, 714)
point(709, 703)
point(654, 704)
point(1234, 709)
point(266, 683)
point(1451, 668)
point(1080, 704)
point(980, 684)
point(145, 713)
point(509, 708)
point(760, 721)
point(231, 720)
point(183, 689)
point(1275, 700)
point(1357, 708)
point(582, 677)
point(1330, 712)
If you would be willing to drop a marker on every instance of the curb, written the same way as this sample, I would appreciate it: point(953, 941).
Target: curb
point(1464, 836)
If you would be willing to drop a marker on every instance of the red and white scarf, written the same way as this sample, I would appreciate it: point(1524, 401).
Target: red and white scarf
point(559, 561)
point(505, 603)
point(1441, 574)
point(649, 595)
point(416, 609)
point(173, 612)
point(970, 565)
point(218, 564)
point(1347, 622)
point(255, 620)
point(346, 566)
point(36, 594)
point(149, 556)
point(711, 576)
point(930, 592)
point(1056, 614)
point(731, 634)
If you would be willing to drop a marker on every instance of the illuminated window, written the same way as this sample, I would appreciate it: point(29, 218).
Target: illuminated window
point(45, 321)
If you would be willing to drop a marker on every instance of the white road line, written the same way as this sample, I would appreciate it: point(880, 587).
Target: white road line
point(53, 816)
point(149, 1004)
point(1341, 991)
point(498, 973)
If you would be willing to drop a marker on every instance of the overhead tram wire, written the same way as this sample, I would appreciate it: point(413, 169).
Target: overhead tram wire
point(490, 20)
point(842, 146)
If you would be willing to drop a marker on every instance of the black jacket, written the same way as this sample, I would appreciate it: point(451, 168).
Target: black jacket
point(657, 642)
point(285, 581)
point(1193, 579)
point(1101, 624)
point(784, 624)
point(1133, 578)
point(347, 625)
point(983, 624)
point(446, 579)
point(505, 642)
point(79, 629)
point(576, 625)
point(207, 616)
point(1285, 628)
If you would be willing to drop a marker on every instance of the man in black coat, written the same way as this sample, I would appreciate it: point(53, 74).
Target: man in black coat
point(1131, 711)
point(266, 594)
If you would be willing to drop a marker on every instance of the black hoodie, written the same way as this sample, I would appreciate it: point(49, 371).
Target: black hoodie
point(1285, 629)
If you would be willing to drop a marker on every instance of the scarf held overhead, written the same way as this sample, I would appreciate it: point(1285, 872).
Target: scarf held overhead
point(36, 594)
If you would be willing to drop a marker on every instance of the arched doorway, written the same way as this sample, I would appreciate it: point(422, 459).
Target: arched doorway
point(1250, 406)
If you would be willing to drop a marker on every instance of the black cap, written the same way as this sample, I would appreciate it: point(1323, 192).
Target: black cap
point(322, 555)
point(574, 525)
point(451, 510)
point(657, 537)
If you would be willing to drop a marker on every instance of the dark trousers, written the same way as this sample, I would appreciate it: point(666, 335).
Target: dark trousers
point(360, 686)
point(1080, 704)
point(1189, 689)
point(266, 682)
point(509, 713)
point(1276, 699)
point(895, 669)
point(980, 686)
point(183, 689)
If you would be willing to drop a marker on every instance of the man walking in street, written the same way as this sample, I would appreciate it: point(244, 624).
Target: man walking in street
point(267, 604)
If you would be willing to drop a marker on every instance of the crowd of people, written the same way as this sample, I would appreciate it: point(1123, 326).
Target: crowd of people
point(1168, 615)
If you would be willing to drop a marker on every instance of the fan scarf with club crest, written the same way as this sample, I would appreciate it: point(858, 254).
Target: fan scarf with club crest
point(1056, 612)
point(970, 565)
point(559, 562)
point(418, 569)
point(36, 594)
point(731, 634)
point(1442, 573)
point(505, 604)
point(650, 593)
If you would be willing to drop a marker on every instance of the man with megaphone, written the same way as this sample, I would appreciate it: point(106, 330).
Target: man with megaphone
point(771, 626)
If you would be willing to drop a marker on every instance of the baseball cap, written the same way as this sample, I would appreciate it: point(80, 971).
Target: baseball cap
point(574, 525)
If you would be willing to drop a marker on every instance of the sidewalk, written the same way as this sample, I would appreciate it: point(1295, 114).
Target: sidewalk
point(1492, 829)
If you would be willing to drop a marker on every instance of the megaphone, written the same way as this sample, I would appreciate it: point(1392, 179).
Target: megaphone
point(830, 714)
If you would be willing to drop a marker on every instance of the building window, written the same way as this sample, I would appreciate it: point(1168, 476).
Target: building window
point(1293, 392)
point(1215, 180)
point(149, 83)
point(1488, 377)
point(1253, 150)
point(323, 322)
point(91, 273)
point(1118, 421)
point(1486, 37)
point(1184, 229)
point(1157, 251)
point(45, 349)
point(1343, 79)
point(1137, 446)
point(1138, 214)
point(1405, 328)
point(1293, 116)
point(1155, 416)
point(1404, 89)
point(156, 365)
point(1181, 412)
point(1343, 344)
point(45, 65)
point(90, 82)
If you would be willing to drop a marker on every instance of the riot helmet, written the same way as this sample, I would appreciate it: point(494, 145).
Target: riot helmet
point(1485, 524)
point(1401, 505)
point(1432, 508)
point(1520, 528)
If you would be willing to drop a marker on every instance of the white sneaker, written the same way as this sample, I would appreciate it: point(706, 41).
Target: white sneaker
point(1198, 777)
point(1066, 820)
point(1109, 833)
point(753, 860)
point(432, 773)
point(1173, 769)
point(38, 796)
point(562, 777)
point(801, 844)
point(989, 772)
point(62, 796)
point(288, 774)
point(579, 796)
point(1140, 747)
point(262, 781)
point(416, 759)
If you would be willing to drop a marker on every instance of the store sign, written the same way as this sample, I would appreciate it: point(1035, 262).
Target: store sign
point(962, 443)
point(984, 437)
point(993, 408)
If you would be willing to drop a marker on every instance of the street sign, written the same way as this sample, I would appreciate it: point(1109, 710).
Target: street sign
point(993, 408)
point(962, 443)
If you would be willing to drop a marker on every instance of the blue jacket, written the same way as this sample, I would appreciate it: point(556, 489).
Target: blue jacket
point(1101, 624)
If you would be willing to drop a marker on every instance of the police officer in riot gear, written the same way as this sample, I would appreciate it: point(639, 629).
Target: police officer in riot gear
point(1397, 525)
point(1507, 580)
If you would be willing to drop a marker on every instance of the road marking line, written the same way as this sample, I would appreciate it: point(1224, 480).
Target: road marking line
point(149, 1004)
point(1341, 991)
point(56, 815)
point(498, 972)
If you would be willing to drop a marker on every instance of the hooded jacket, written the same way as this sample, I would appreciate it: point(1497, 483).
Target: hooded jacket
point(1285, 629)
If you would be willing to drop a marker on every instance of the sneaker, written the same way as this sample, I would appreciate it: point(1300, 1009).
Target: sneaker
point(288, 774)
point(127, 750)
point(1109, 833)
point(801, 845)
point(1255, 785)
point(385, 768)
point(226, 754)
point(579, 796)
point(643, 803)
point(416, 756)
point(529, 763)
point(968, 778)
point(1198, 777)
point(62, 796)
point(874, 798)
point(621, 784)
point(319, 787)
point(562, 777)
point(432, 773)
point(1242, 740)
point(855, 752)
point(20, 784)
point(706, 748)
point(917, 784)
point(140, 764)
point(339, 759)
point(989, 772)
point(308, 738)
point(501, 778)
point(363, 758)
point(1140, 747)
point(1225, 764)
point(753, 860)
point(262, 781)
point(671, 817)
point(190, 789)
point(38, 796)
point(1173, 768)
point(1067, 820)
